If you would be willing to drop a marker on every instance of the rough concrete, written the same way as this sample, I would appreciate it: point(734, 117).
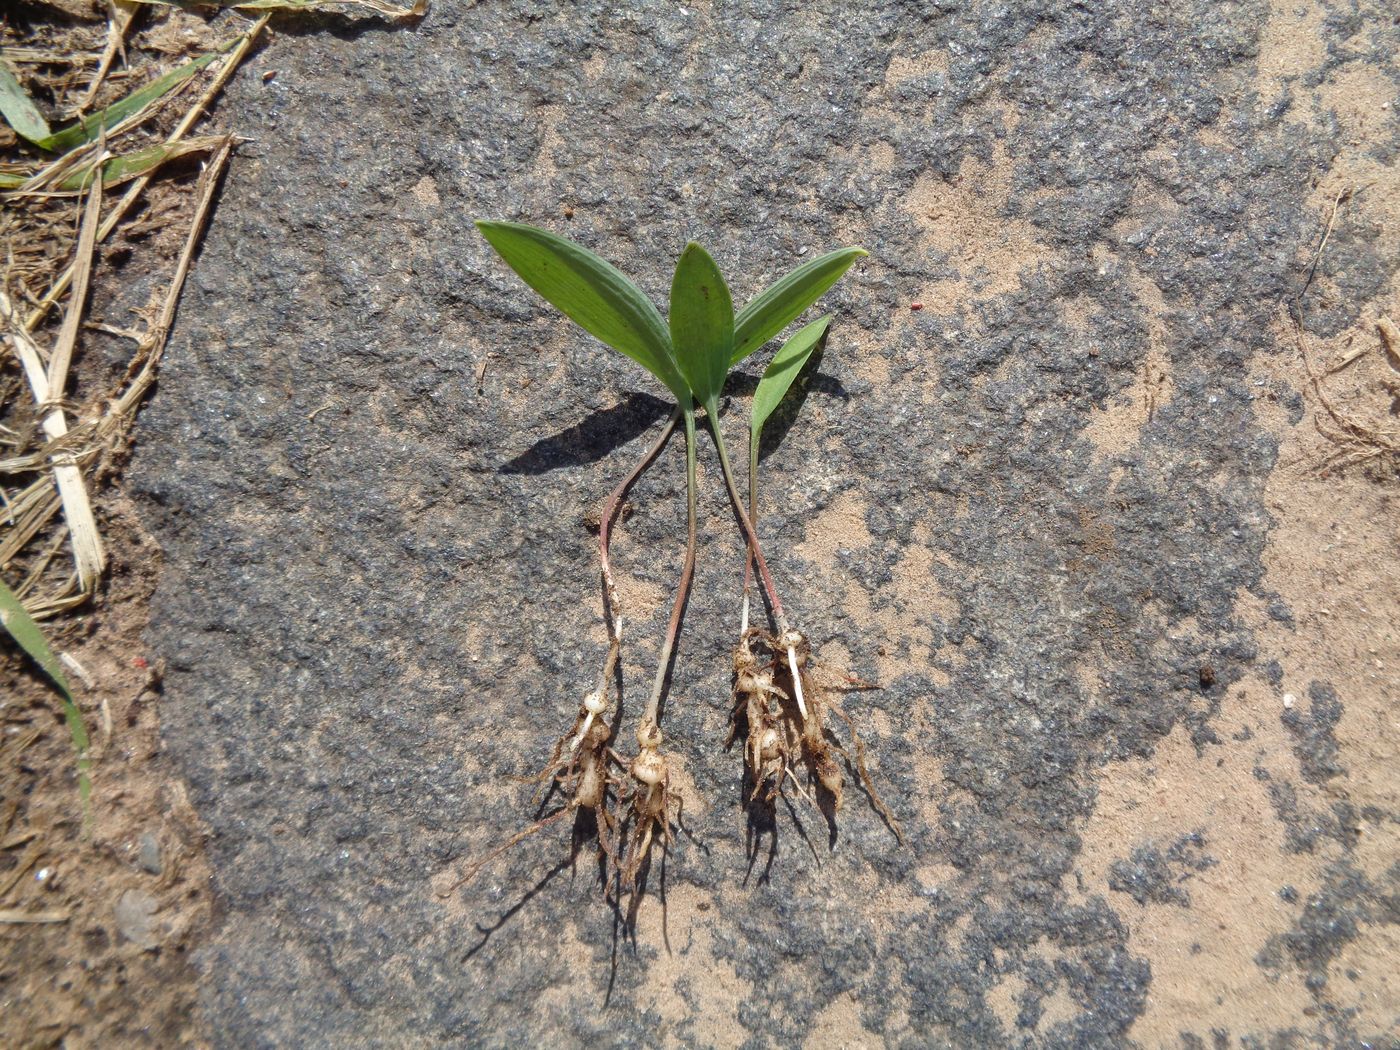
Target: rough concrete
point(379, 599)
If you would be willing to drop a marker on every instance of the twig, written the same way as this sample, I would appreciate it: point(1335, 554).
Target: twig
point(1350, 427)
point(27, 860)
point(1346, 362)
point(1390, 340)
point(1359, 442)
point(1344, 194)
point(15, 915)
point(118, 21)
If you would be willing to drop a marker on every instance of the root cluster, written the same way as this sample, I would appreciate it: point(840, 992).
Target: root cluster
point(631, 803)
point(780, 712)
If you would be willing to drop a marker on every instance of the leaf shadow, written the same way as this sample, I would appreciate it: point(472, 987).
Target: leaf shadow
point(591, 438)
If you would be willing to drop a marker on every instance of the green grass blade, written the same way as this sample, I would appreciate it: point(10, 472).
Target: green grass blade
point(593, 293)
point(783, 302)
point(88, 129)
point(116, 170)
point(702, 323)
point(22, 628)
point(19, 109)
point(785, 367)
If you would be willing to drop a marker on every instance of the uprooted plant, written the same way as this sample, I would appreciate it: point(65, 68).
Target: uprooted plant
point(779, 710)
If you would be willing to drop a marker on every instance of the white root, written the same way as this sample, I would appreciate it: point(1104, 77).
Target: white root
point(594, 704)
point(796, 682)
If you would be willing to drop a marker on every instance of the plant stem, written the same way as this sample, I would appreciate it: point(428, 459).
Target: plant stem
point(668, 647)
point(712, 412)
point(609, 513)
point(753, 517)
point(755, 552)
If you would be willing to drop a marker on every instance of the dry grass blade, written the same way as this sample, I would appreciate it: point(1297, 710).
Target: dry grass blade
point(127, 113)
point(235, 58)
point(15, 916)
point(46, 460)
point(379, 7)
point(119, 16)
point(154, 345)
point(48, 387)
point(118, 169)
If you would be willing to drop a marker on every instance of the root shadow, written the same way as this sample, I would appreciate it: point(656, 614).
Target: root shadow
point(487, 932)
point(761, 820)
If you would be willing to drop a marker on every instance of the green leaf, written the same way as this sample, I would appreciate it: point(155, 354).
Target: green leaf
point(702, 323)
point(87, 129)
point(22, 628)
point(592, 293)
point(19, 109)
point(785, 367)
point(783, 302)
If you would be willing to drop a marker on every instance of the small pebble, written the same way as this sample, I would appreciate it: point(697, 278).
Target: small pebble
point(136, 918)
point(148, 854)
point(916, 306)
point(1289, 700)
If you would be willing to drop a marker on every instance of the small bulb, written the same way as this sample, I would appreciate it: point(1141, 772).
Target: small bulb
point(649, 768)
point(594, 704)
point(768, 744)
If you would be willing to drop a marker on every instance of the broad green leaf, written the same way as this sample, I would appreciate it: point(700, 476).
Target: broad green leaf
point(592, 293)
point(783, 302)
point(785, 367)
point(87, 129)
point(19, 109)
point(702, 323)
point(22, 628)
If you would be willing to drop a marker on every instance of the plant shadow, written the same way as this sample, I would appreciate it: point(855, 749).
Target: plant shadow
point(592, 438)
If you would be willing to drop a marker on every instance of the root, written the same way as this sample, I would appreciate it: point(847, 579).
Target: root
point(782, 732)
point(650, 801)
point(473, 869)
point(863, 772)
point(588, 780)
